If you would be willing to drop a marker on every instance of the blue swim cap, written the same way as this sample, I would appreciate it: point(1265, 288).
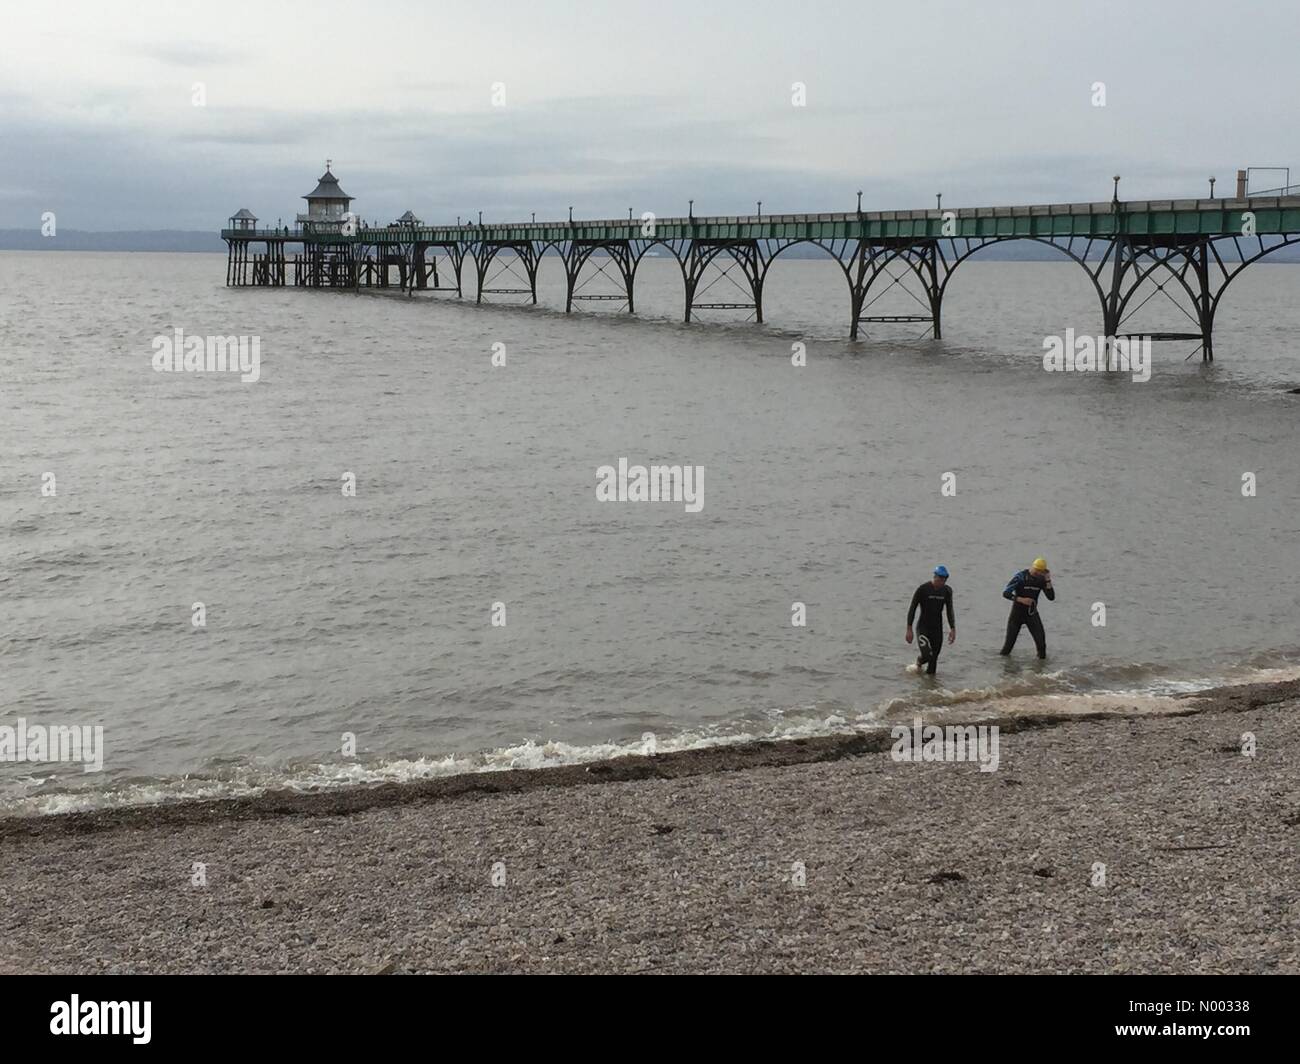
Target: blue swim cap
point(941, 570)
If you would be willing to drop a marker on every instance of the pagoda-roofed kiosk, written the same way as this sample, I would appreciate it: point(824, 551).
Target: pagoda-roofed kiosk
point(408, 221)
point(243, 220)
point(327, 206)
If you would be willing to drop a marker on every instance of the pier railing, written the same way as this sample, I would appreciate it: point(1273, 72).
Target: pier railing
point(1206, 217)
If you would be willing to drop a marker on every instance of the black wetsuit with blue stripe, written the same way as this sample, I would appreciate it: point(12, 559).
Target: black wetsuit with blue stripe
point(1026, 584)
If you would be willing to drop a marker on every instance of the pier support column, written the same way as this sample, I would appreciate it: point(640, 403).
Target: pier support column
point(526, 252)
point(428, 274)
point(419, 268)
point(1176, 267)
point(929, 262)
point(1205, 301)
point(1120, 258)
point(356, 265)
point(858, 281)
point(746, 260)
point(581, 253)
point(898, 258)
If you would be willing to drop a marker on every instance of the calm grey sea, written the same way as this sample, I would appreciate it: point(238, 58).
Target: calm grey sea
point(328, 614)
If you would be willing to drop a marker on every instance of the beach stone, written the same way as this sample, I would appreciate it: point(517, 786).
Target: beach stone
point(357, 881)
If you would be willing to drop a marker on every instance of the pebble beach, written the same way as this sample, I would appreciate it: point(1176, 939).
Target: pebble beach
point(1110, 844)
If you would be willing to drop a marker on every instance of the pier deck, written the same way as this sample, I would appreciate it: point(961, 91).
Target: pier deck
point(1190, 250)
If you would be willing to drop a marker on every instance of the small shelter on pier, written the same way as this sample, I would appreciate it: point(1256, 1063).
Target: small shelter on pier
point(408, 221)
point(243, 219)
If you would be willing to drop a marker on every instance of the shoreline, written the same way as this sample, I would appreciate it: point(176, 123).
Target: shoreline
point(673, 765)
point(1100, 845)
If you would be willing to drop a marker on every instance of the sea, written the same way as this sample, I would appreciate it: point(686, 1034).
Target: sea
point(387, 557)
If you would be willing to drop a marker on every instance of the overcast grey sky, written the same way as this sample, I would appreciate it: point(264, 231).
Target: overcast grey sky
point(628, 104)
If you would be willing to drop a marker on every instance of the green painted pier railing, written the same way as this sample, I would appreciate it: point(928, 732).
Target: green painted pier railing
point(1192, 247)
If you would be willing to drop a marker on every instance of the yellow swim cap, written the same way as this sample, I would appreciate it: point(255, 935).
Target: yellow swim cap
point(1040, 565)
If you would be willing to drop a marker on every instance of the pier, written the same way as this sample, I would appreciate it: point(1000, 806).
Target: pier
point(1190, 250)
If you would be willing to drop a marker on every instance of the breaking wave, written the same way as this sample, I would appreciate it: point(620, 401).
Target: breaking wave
point(1118, 689)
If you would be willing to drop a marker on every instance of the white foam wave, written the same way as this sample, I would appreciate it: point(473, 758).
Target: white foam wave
point(1050, 694)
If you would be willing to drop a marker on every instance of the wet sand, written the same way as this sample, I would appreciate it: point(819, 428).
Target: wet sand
point(689, 862)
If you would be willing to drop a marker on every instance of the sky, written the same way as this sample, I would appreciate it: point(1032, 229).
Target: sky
point(172, 115)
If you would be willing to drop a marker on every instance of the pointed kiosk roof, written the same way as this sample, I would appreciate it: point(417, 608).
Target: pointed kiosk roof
point(327, 188)
point(244, 214)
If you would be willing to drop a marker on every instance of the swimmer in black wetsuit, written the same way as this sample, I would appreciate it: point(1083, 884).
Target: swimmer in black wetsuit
point(1023, 590)
point(933, 598)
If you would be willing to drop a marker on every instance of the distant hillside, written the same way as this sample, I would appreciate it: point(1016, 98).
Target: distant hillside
point(205, 241)
point(130, 240)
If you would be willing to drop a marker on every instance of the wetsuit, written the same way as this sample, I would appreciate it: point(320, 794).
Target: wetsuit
point(1026, 584)
point(932, 602)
